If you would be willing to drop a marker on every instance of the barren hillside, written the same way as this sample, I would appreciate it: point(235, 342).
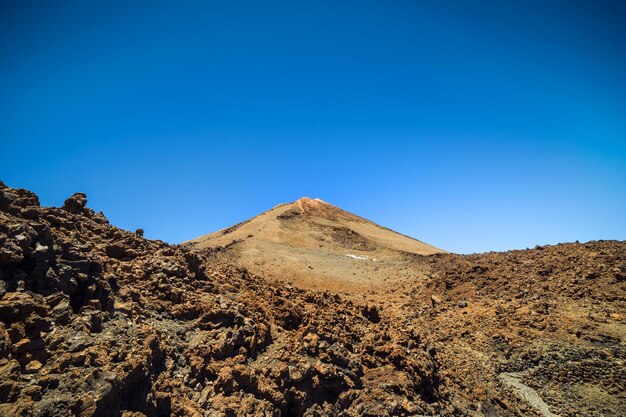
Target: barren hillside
point(316, 245)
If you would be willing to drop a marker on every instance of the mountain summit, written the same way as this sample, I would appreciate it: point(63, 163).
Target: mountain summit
point(315, 244)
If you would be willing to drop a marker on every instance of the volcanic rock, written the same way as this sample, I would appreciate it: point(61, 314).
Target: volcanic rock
point(98, 321)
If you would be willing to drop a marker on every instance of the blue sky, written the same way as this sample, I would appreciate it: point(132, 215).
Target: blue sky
point(473, 126)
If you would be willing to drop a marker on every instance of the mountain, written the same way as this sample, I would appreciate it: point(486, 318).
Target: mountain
point(314, 244)
point(97, 321)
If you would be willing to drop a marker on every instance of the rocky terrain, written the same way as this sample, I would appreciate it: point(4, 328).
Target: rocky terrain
point(98, 321)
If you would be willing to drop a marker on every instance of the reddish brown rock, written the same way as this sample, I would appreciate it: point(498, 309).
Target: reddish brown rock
point(97, 321)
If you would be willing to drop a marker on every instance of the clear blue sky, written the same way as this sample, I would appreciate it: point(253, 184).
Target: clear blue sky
point(470, 125)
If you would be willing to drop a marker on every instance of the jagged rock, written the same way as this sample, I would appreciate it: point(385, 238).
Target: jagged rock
point(33, 367)
point(7, 197)
point(371, 313)
point(435, 300)
point(75, 203)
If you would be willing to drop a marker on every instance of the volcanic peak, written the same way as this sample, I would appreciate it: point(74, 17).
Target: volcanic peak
point(318, 208)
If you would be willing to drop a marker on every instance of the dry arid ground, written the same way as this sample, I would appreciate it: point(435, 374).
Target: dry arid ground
point(305, 310)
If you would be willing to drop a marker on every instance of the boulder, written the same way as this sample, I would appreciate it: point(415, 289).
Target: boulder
point(76, 203)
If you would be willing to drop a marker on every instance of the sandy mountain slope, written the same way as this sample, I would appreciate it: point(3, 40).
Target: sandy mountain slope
point(316, 245)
